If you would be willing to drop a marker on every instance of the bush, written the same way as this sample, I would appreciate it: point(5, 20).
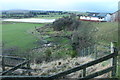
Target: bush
point(83, 37)
point(83, 32)
point(65, 23)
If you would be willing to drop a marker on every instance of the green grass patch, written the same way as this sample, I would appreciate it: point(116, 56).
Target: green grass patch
point(51, 16)
point(19, 35)
point(107, 32)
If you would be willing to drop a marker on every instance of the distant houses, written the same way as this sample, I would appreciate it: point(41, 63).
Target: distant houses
point(96, 17)
point(101, 17)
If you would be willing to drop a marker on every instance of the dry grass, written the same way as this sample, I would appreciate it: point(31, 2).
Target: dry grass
point(50, 68)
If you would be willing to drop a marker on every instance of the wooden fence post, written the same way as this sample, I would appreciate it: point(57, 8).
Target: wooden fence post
point(3, 63)
point(84, 72)
point(114, 61)
point(28, 65)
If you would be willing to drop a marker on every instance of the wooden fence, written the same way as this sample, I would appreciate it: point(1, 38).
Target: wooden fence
point(83, 67)
point(15, 62)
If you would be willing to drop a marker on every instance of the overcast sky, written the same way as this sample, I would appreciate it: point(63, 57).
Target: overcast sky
point(64, 5)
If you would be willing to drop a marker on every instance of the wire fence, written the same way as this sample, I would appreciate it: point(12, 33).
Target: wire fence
point(96, 51)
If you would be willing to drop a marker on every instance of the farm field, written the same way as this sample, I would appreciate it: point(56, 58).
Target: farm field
point(51, 16)
point(18, 35)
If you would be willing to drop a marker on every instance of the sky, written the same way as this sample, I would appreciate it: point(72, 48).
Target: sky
point(61, 5)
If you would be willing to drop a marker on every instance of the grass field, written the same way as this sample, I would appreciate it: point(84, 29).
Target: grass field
point(19, 35)
point(106, 32)
point(51, 16)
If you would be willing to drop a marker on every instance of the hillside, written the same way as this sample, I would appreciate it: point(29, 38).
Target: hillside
point(54, 67)
point(56, 45)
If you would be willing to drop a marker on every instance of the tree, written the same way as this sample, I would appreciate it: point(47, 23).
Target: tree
point(83, 37)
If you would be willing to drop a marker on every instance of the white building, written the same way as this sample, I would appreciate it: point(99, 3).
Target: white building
point(98, 17)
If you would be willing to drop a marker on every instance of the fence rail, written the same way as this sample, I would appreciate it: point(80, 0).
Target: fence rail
point(83, 67)
point(14, 68)
point(15, 62)
point(11, 57)
point(97, 73)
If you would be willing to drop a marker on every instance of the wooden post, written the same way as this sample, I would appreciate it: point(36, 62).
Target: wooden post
point(114, 60)
point(3, 63)
point(28, 65)
point(84, 72)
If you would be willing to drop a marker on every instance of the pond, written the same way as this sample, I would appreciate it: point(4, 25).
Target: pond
point(31, 20)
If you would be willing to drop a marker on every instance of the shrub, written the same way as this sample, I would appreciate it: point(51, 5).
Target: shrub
point(65, 23)
point(83, 37)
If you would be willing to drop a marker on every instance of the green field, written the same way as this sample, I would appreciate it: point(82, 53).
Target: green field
point(19, 35)
point(106, 32)
point(51, 16)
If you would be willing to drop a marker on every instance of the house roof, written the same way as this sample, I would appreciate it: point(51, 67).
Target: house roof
point(97, 14)
point(93, 14)
point(102, 15)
